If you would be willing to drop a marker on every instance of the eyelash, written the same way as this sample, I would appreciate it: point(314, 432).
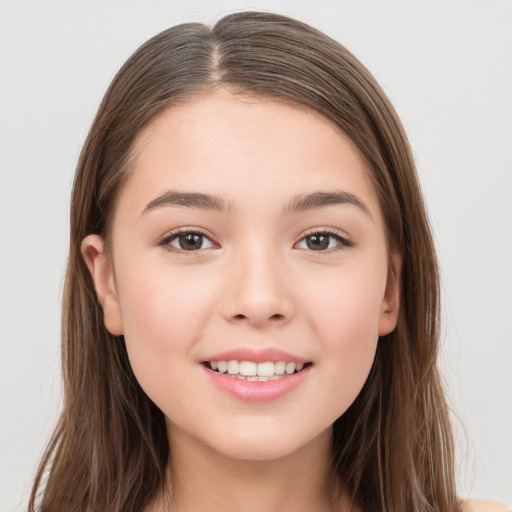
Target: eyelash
point(165, 242)
point(340, 237)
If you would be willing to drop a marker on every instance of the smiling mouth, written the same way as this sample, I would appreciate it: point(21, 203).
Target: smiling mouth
point(253, 371)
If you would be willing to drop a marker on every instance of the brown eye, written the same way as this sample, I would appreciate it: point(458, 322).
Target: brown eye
point(318, 242)
point(323, 241)
point(190, 241)
point(187, 241)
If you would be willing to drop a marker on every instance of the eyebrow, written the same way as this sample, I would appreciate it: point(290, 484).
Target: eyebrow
point(303, 202)
point(298, 203)
point(189, 200)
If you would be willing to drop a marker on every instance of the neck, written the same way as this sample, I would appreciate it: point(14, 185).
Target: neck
point(203, 479)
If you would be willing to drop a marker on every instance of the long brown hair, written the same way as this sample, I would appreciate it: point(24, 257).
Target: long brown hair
point(393, 448)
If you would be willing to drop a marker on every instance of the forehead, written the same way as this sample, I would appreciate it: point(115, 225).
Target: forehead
point(227, 145)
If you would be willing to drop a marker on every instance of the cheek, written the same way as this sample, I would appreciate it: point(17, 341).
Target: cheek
point(164, 314)
point(160, 304)
point(346, 304)
point(346, 324)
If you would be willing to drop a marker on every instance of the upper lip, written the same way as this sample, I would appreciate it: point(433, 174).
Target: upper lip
point(258, 355)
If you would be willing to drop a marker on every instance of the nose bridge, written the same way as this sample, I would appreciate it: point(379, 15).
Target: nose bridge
point(258, 293)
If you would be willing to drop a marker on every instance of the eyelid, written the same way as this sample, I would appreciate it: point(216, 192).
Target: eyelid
point(341, 236)
point(165, 240)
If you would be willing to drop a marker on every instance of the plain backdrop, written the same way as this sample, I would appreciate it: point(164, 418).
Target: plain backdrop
point(447, 67)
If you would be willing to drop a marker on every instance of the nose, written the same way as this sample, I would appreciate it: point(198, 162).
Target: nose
point(258, 291)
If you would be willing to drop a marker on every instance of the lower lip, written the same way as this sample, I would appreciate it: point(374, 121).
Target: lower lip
point(257, 391)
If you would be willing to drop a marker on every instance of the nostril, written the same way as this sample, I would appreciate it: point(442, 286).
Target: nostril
point(258, 317)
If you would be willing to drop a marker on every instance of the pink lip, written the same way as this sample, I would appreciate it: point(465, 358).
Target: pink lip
point(256, 391)
point(257, 355)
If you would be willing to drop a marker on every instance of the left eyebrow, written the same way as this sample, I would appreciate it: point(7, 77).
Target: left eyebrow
point(188, 200)
point(303, 202)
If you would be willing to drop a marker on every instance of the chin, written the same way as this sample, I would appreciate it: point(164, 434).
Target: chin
point(257, 451)
point(260, 444)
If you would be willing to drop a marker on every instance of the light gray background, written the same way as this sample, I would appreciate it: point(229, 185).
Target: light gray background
point(447, 67)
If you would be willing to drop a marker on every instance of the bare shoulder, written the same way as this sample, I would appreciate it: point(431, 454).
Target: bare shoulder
point(481, 505)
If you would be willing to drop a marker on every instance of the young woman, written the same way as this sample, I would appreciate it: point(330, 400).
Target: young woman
point(251, 303)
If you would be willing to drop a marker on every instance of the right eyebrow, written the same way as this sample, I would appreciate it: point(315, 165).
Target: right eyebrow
point(189, 200)
point(322, 199)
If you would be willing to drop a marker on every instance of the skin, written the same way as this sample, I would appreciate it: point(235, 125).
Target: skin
point(254, 283)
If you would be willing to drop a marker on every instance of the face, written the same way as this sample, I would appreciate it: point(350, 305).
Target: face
point(247, 239)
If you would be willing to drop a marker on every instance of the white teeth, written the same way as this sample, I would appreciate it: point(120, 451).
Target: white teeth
point(255, 378)
point(265, 369)
point(279, 367)
point(248, 368)
point(233, 367)
point(290, 368)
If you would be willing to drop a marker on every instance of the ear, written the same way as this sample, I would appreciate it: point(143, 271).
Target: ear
point(390, 307)
point(100, 267)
